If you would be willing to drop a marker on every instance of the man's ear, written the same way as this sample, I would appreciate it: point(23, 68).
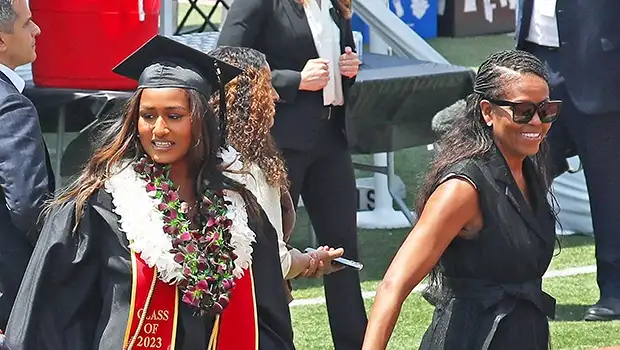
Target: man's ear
point(3, 37)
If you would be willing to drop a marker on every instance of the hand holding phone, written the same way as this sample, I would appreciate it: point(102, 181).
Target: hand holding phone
point(344, 262)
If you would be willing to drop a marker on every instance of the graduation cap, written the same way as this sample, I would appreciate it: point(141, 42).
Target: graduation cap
point(165, 63)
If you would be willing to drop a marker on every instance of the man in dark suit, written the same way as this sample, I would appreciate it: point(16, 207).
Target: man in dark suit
point(580, 42)
point(26, 180)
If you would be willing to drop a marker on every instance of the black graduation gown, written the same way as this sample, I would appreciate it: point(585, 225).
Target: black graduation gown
point(77, 289)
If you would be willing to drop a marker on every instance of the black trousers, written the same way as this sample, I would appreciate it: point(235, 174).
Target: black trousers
point(596, 138)
point(325, 179)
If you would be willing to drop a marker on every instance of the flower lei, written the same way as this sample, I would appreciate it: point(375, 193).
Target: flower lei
point(206, 254)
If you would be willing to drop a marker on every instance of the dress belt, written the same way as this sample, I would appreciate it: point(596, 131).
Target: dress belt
point(504, 296)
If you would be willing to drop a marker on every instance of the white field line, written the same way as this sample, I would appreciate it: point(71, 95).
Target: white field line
point(571, 271)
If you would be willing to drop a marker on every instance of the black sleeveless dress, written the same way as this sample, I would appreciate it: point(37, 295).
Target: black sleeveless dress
point(491, 296)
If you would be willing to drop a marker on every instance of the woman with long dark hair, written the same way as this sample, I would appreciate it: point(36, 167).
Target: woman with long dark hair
point(486, 231)
point(152, 246)
point(310, 49)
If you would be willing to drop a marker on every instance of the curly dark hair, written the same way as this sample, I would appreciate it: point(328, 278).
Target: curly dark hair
point(250, 109)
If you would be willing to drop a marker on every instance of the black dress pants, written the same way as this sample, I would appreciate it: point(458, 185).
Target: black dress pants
point(324, 177)
point(596, 139)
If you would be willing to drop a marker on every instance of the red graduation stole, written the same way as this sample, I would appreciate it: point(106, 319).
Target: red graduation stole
point(237, 327)
point(153, 312)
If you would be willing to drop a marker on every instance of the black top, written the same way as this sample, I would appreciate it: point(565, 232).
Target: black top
point(491, 295)
point(77, 291)
point(280, 30)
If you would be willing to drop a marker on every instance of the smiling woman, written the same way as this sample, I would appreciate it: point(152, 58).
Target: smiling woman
point(486, 232)
point(522, 119)
point(165, 124)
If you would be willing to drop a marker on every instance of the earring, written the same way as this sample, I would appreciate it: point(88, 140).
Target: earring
point(489, 123)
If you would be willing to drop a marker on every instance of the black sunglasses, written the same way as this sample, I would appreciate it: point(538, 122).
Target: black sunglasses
point(523, 112)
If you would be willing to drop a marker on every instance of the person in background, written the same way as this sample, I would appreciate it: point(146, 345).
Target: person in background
point(310, 49)
point(486, 231)
point(250, 106)
point(579, 43)
point(26, 177)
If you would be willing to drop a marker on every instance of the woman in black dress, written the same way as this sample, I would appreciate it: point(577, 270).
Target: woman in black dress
point(486, 229)
point(152, 246)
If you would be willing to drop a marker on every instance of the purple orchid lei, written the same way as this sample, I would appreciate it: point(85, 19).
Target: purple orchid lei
point(206, 254)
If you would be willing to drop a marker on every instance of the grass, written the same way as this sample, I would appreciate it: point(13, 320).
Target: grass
point(574, 294)
point(573, 251)
point(470, 52)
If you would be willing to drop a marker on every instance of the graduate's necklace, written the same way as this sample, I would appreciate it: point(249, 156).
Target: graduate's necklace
point(205, 254)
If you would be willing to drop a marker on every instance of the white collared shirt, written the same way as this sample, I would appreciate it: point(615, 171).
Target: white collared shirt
point(326, 35)
point(13, 77)
point(544, 26)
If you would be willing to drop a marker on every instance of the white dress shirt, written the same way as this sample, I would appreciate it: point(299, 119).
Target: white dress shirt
point(544, 26)
point(326, 35)
point(13, 77)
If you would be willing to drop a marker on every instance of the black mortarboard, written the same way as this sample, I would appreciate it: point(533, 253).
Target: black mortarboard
point(163, 62)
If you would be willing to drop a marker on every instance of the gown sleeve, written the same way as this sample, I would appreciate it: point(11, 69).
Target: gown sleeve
point(275, 330)
point(58, 304)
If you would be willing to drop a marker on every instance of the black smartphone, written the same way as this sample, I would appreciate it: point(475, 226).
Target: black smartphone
point(342, 261)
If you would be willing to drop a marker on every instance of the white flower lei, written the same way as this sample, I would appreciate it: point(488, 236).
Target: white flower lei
point(142, 224)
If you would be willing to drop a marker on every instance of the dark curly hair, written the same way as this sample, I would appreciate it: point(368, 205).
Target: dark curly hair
point(250, 110)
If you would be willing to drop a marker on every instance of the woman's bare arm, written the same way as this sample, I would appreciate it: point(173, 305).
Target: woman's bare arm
point(451, 207)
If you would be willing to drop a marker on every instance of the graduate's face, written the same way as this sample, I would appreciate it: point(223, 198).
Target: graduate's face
point(165, 124)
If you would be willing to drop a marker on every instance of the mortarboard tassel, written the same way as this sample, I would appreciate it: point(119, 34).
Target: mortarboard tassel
point(222, 116)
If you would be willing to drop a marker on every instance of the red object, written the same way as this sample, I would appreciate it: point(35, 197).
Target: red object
point(82, 40)
point(158, 330)
point(239, 321)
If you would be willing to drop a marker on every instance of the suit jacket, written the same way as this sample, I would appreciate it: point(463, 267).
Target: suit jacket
point(280, 30)
point(589, 33)
point(26, 182)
